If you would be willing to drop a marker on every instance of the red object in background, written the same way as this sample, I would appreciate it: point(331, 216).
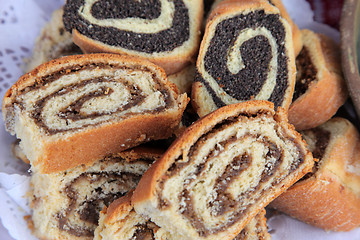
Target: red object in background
point(327, 11)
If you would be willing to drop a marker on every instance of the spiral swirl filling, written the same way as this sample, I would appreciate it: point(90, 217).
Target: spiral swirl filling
point(245, 59)
point(81, 216)
point(143, 26)
point(85, 96)
point(228, 171)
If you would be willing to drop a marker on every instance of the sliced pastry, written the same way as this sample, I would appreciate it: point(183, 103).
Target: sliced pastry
point(77, 109)
point(329, 196)
point(66, 205)
point(320, 88)
point(222, 171)
point(120, 221)
point(246, 54)
point(165, 32)
point(53, 42)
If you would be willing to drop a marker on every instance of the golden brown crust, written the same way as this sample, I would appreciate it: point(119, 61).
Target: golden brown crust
point(115, 138)
point(227, 6)
point(66, 153)
point(328, 92)
point(260, 217)
point(118, 208)
point(323, 202)
point(325, 199)
point(198, 97)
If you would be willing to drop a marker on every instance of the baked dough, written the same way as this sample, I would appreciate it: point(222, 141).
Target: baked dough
point(246, 53)
point(66, 205)
point(329, 197)
point(222, 171)
point(162, 31)
point(320, 88)
point(77, 109)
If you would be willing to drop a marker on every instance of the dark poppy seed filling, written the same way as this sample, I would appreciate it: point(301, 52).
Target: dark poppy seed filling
point(255, 66)
point(154, 42)
point(107, 9)
point(73, 115)
point(203, 159)
point(306, 73)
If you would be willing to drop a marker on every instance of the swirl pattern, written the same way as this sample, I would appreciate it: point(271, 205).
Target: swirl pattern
point(223, 170)
point(144, 26)
point(68, 103)
point(77, 196)
point(81, 108)
point(245, 56)
point(165, 32)
point(225, 173)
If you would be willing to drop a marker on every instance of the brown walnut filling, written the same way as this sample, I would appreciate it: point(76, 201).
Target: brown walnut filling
point(72, 112)
point(306, 73)
point(223, 202)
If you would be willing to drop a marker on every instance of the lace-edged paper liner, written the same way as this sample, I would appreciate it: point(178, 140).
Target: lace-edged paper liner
point(20, 24)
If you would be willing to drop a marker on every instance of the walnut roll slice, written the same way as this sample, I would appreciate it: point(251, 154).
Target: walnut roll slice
point(120, 221)
point(77, 109)
point(222, 171)
point(66, 205)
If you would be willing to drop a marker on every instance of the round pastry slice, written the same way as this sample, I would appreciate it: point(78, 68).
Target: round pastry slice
point(165, 32)
point(120, 221)
point(222, 171)
point(246, 54)
point(66, 205)
point(77, 109)
point(329, 197)
point(54, 42)
point(320, 88)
